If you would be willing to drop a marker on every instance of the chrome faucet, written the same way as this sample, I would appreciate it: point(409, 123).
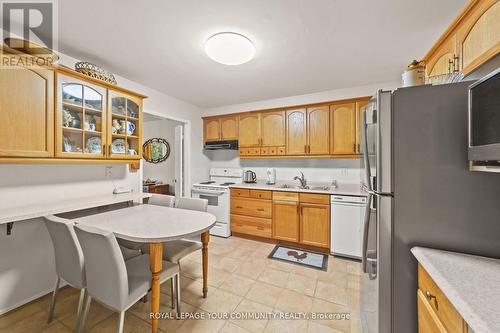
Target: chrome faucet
point(302, 180)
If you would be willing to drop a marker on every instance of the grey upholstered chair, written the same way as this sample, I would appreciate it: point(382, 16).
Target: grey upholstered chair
point(162, 200)
point(69, 261)
point(174, 251)
point(115, 283)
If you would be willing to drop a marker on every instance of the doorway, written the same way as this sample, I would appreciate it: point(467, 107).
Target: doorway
point(164, 164)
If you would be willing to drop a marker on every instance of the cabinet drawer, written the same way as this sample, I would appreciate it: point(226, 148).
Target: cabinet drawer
point(249, 151)
point(441, 306)
point(238, 192)
point(323, 199)
point(251, 225)
point(251, 207)
point(273, 151)
point(281, 151)
point(264, 151)
point(261, 194)
point(285, 196)
point(428, 322)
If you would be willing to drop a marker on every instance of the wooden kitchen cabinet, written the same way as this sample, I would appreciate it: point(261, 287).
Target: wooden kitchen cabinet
point(249, 130)
point(251, 212)
point(211, 129)
point(286, 220)
point(81, 119)
point(273, 129)
point(296, 133)
point(124, 126)
point(229, 128)
point(472, 39)
point(26, 112)
point(360, 109)
point(315, 224)
point(343, 129)
point(435, 311)
point(318, 130)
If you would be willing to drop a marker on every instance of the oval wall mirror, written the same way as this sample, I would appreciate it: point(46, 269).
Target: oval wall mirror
point(155, 150)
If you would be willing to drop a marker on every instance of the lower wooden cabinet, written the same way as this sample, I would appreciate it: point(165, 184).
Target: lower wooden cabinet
point(302, 218)
point(435, 311)
point(251, 225)
point(286, 220)
point(314, 225)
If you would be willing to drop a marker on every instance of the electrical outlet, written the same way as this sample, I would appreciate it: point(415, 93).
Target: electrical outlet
point(108, 172)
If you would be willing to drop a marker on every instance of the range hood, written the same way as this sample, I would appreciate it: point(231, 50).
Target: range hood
point(221, 145)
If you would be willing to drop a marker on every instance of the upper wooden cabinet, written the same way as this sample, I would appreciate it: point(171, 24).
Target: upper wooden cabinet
point(272, 128)
point(211, 129)
point(220, 128)
point(249, 130)
point(229, 128)
point(471, 40)
point(80, 119)
point(343, 128)
point(318, 130)
point(360, 108)
point(296, 134)
point(26, 112)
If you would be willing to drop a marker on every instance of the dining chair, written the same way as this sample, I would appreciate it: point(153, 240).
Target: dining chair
point(162, 200)
point(112, 281)
point(174, 251)
point(68, 259)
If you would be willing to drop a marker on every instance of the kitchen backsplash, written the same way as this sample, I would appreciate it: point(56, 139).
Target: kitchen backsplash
point(314, 169)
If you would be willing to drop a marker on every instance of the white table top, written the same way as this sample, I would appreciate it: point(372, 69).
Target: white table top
point(31, 211)
point(150, 223)
point(471, 283)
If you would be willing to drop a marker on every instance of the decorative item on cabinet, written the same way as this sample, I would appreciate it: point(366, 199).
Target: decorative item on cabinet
point(414, 75)
point(94, 71)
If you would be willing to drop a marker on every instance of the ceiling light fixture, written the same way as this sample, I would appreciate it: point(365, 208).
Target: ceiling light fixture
point(230, 48)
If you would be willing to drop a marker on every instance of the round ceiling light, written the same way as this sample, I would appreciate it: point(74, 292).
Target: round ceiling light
point(230, 48)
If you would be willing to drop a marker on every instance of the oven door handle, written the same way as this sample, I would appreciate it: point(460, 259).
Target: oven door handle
point(211, 193)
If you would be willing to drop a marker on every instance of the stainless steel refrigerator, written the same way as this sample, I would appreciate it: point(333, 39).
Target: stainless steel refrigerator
point(420, 192)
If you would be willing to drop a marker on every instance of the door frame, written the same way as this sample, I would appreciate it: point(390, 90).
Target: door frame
point(186, 152)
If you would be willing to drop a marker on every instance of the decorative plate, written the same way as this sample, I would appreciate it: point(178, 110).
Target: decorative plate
point(93, 145)
point(118, 146)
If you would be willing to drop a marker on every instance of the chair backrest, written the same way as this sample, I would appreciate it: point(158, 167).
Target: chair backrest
point(162, 200)
point(104, 266)
point(70, 264)
point(193, 204)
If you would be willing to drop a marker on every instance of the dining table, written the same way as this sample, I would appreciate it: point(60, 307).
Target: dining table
point(154, 225)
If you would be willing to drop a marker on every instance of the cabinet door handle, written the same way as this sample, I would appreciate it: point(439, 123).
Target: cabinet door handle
point(109, 150)
point(354, 147)
point(359, 148)
point(305, 149)
point(239, 207)
point(260, 228)
point(260, 209)
point(430, 297)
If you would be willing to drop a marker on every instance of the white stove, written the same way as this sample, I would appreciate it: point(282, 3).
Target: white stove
point(216, 191)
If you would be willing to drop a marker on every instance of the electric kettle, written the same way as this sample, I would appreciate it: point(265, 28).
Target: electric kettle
point(249, 176)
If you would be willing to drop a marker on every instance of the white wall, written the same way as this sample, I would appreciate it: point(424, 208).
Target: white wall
point(26, 260)
point(164, 171)
point(314, 169)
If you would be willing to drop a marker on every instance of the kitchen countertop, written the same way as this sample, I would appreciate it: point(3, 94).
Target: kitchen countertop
point(19, 213)
point(342, 189)
point(471, 283)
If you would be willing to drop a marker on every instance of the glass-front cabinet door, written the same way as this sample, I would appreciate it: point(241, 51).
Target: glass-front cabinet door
point(80, 119)
point(124, 126)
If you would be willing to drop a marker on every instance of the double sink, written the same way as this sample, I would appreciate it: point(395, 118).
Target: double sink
point(307, 187)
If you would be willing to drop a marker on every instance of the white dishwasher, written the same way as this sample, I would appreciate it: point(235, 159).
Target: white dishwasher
point(347, 215)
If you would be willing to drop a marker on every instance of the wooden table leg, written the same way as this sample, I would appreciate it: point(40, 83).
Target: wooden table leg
point(205, 237)
point(156, 261)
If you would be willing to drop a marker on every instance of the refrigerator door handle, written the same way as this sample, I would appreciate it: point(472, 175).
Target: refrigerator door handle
point(366, 228)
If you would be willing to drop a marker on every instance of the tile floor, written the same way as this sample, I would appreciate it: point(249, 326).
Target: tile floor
point(241, 279)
